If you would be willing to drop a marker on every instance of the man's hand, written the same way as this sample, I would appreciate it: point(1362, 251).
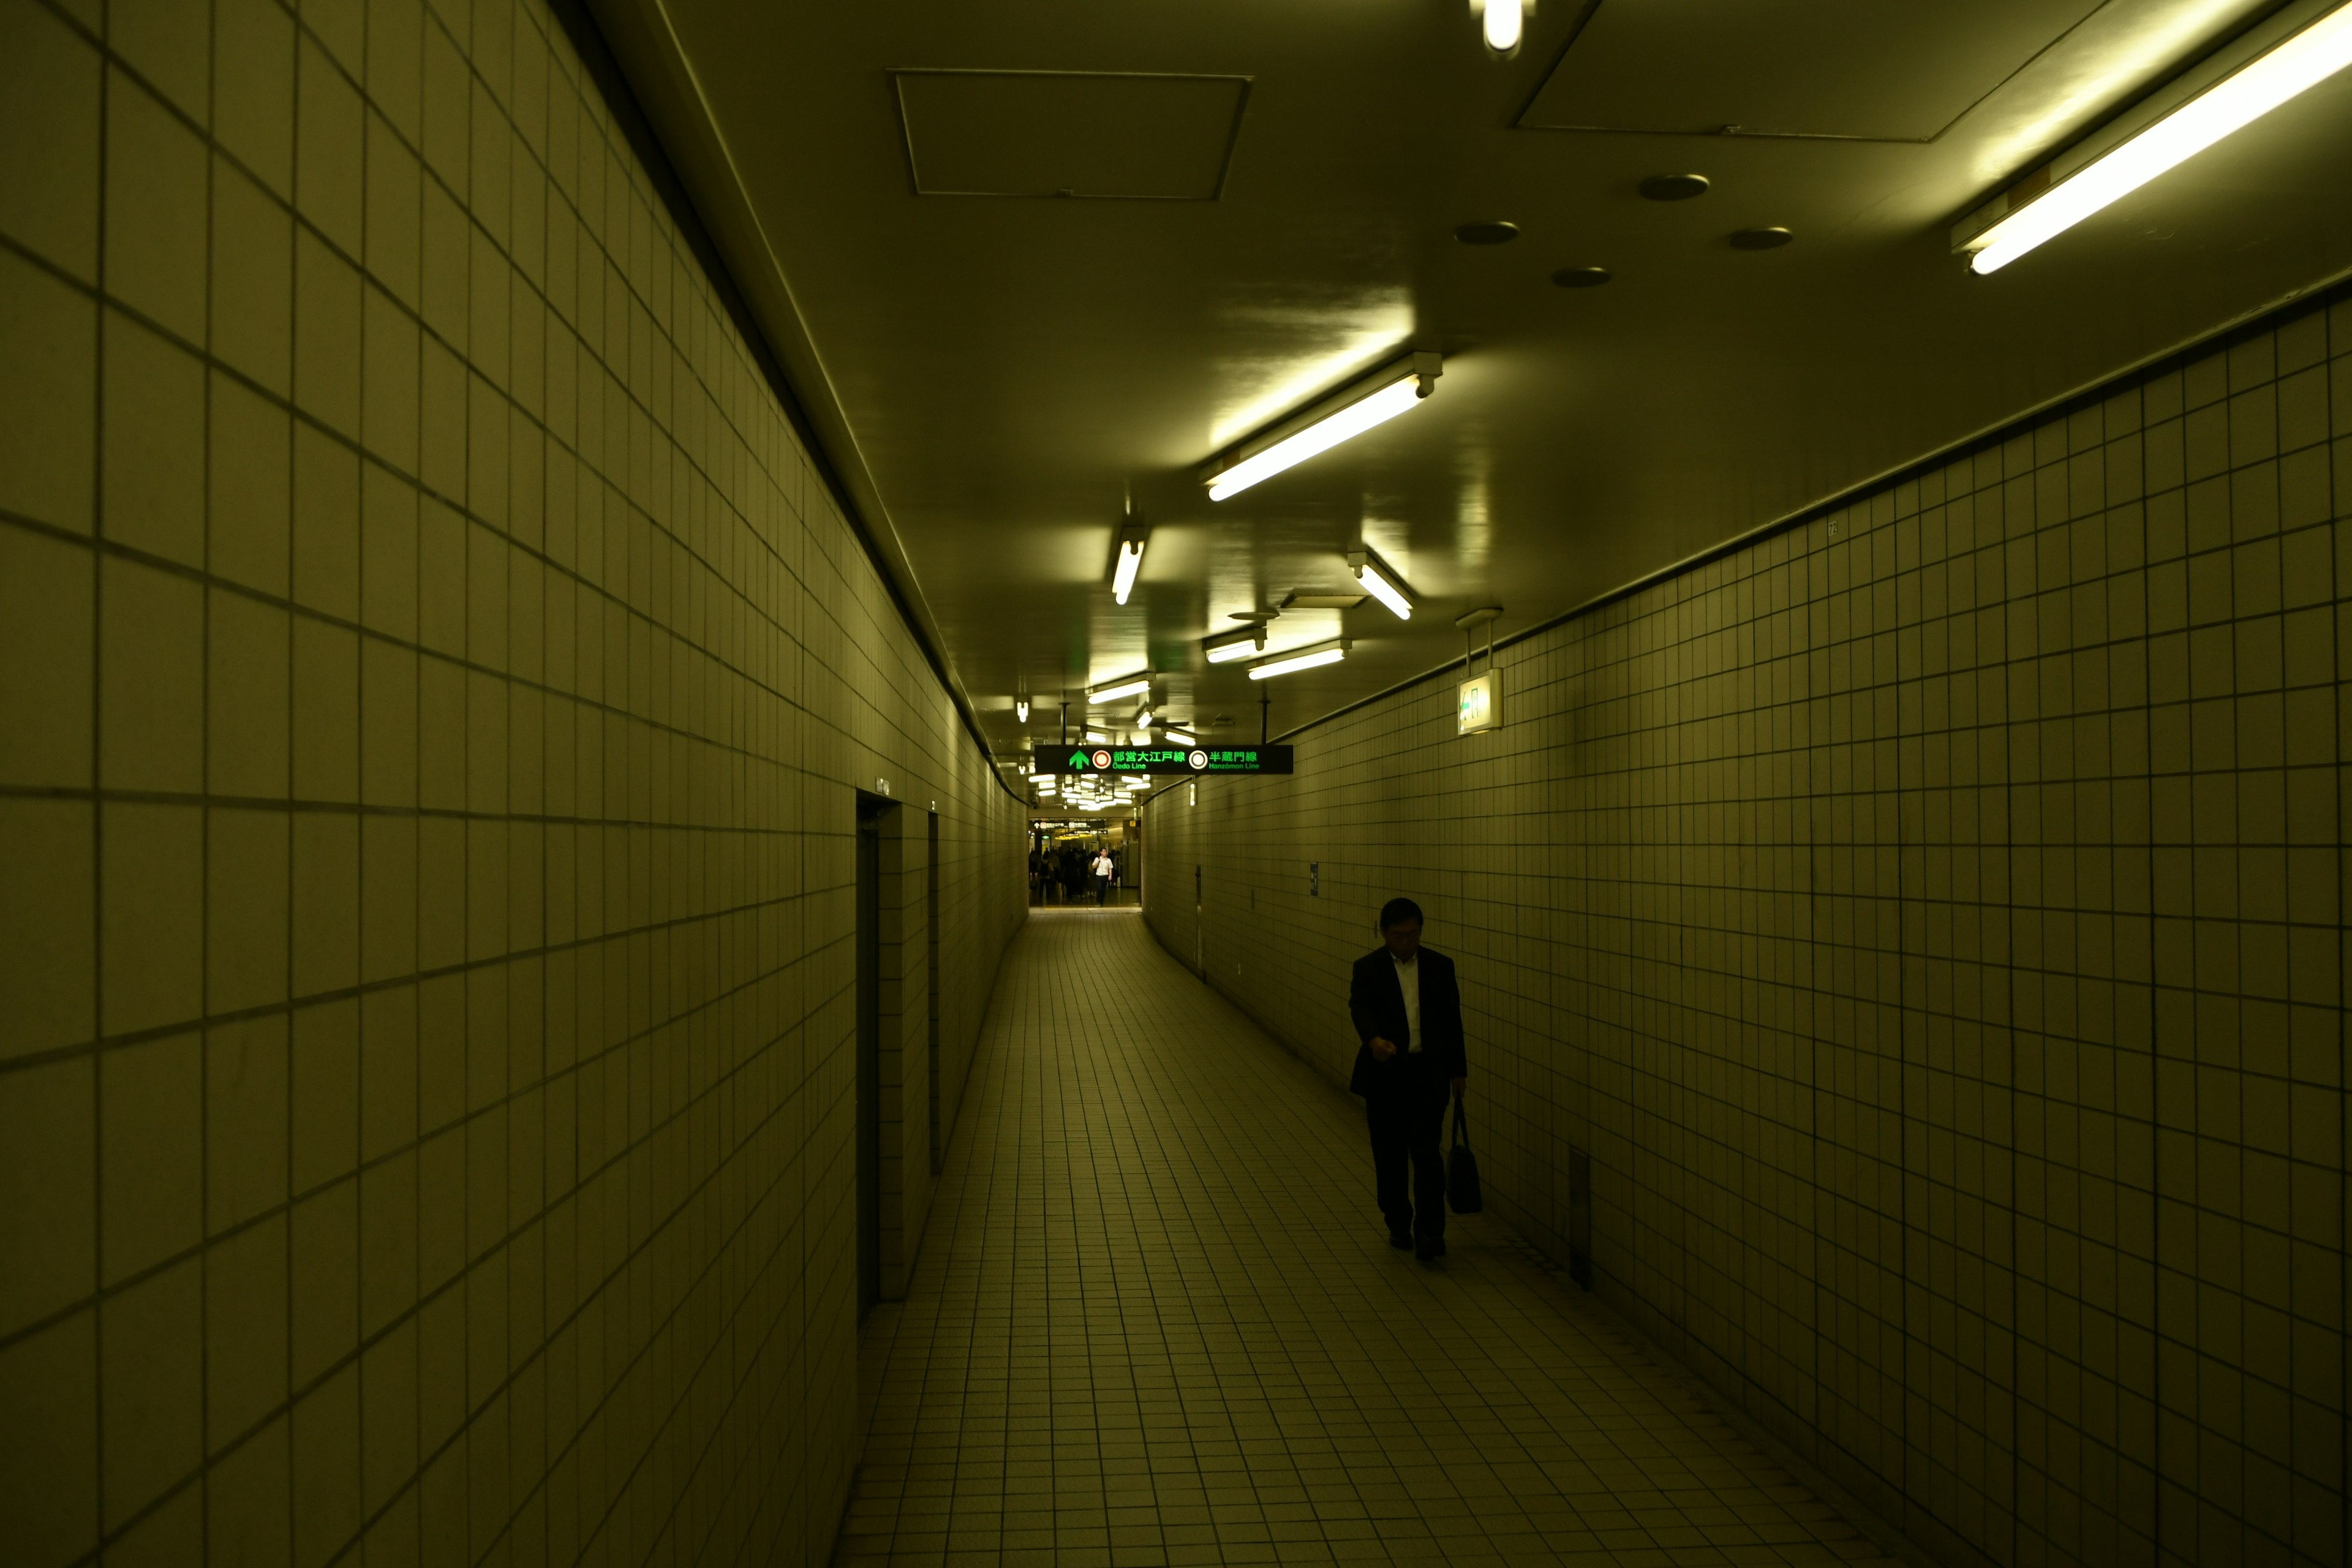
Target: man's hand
point(1459, 1085)
point(1383, 1050)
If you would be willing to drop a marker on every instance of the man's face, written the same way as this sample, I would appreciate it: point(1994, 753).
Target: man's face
point(1403, 938)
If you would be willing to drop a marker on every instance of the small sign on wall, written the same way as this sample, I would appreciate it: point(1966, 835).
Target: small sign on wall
point(1478, 703)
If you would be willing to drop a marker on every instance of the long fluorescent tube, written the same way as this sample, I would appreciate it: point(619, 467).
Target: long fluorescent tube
point(1178, 737)
point(1313, 658)
point(1378, 409)
point(1041, 778)
point(1377, 402)
point(1097, 737)
point(1131, 559)
point(1503, 22)
point(1239, 647)
point(1143, 720)
point(1131, 687)
point(1386, 593)
point(1373, 574)
point(2301, 62)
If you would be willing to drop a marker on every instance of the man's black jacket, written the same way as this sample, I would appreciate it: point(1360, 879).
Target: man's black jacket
point(1376, 1002)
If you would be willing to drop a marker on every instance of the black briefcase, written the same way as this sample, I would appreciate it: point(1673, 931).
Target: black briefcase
point(1462, 1169)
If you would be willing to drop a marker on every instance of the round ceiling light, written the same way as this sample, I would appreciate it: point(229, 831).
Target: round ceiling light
point(1493, 231)
point(1673, 187)
point(1771, 239)
point(1582, 277)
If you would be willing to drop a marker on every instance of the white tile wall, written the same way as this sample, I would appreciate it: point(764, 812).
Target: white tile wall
point(433, 686)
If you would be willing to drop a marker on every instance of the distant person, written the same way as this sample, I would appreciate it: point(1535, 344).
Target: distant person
point(1074, 874)
point(1408, 1013)
point(1104, 868)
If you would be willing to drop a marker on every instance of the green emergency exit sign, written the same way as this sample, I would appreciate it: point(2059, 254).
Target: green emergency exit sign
point(1186, 762)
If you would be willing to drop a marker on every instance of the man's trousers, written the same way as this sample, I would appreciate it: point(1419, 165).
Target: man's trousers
point(1404, 1127)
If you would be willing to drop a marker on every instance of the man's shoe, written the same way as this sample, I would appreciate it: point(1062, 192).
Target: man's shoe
point(1401, 1241)
point(1431, 1251)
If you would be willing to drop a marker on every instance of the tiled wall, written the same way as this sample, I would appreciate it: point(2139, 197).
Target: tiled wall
point(433, 687)
point(1929, 922)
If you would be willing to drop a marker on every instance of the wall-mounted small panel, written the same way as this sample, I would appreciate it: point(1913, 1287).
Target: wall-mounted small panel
point(1851, 70)
point(1103, 135)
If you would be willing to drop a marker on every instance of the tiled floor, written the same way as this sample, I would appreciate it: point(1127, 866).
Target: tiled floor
point(1157, 1319)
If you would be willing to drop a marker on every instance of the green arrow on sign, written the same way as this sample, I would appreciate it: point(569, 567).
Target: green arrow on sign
point(1077, 759)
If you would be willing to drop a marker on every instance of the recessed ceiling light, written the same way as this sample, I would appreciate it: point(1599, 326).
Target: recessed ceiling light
point(1582, 277)
point(1771, 239)
point(1673, 187)
point(1493, 231)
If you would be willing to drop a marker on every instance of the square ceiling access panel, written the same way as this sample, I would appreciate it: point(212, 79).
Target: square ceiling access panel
point(1866, 71)
point(1107, 135)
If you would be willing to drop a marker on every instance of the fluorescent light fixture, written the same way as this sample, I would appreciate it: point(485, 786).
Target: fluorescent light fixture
point(1304, 658)
point(1021, 711)
point(1503, 26)
point(1135, 784)
point(1041, 778)
point(1126, 685)
point(2303, 61)
point(1131, 561)
point(1323, 426)
point(1380, 582)
point(1178, 737)
point(1098, 738)
point(1240, 645)
point(1143, 720)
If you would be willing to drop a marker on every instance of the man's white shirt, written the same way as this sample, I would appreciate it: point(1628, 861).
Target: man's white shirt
point(1409, 981)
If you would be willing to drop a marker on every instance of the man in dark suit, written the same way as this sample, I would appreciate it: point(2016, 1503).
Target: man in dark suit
point(1408, 1013)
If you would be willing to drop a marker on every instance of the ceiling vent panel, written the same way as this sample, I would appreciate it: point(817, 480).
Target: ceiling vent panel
point(1865, 70)
point(1116, 136)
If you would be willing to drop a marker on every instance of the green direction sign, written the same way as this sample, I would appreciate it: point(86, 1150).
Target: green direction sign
point(1185, 761)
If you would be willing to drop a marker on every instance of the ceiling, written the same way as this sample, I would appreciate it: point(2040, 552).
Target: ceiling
point(998, 377)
